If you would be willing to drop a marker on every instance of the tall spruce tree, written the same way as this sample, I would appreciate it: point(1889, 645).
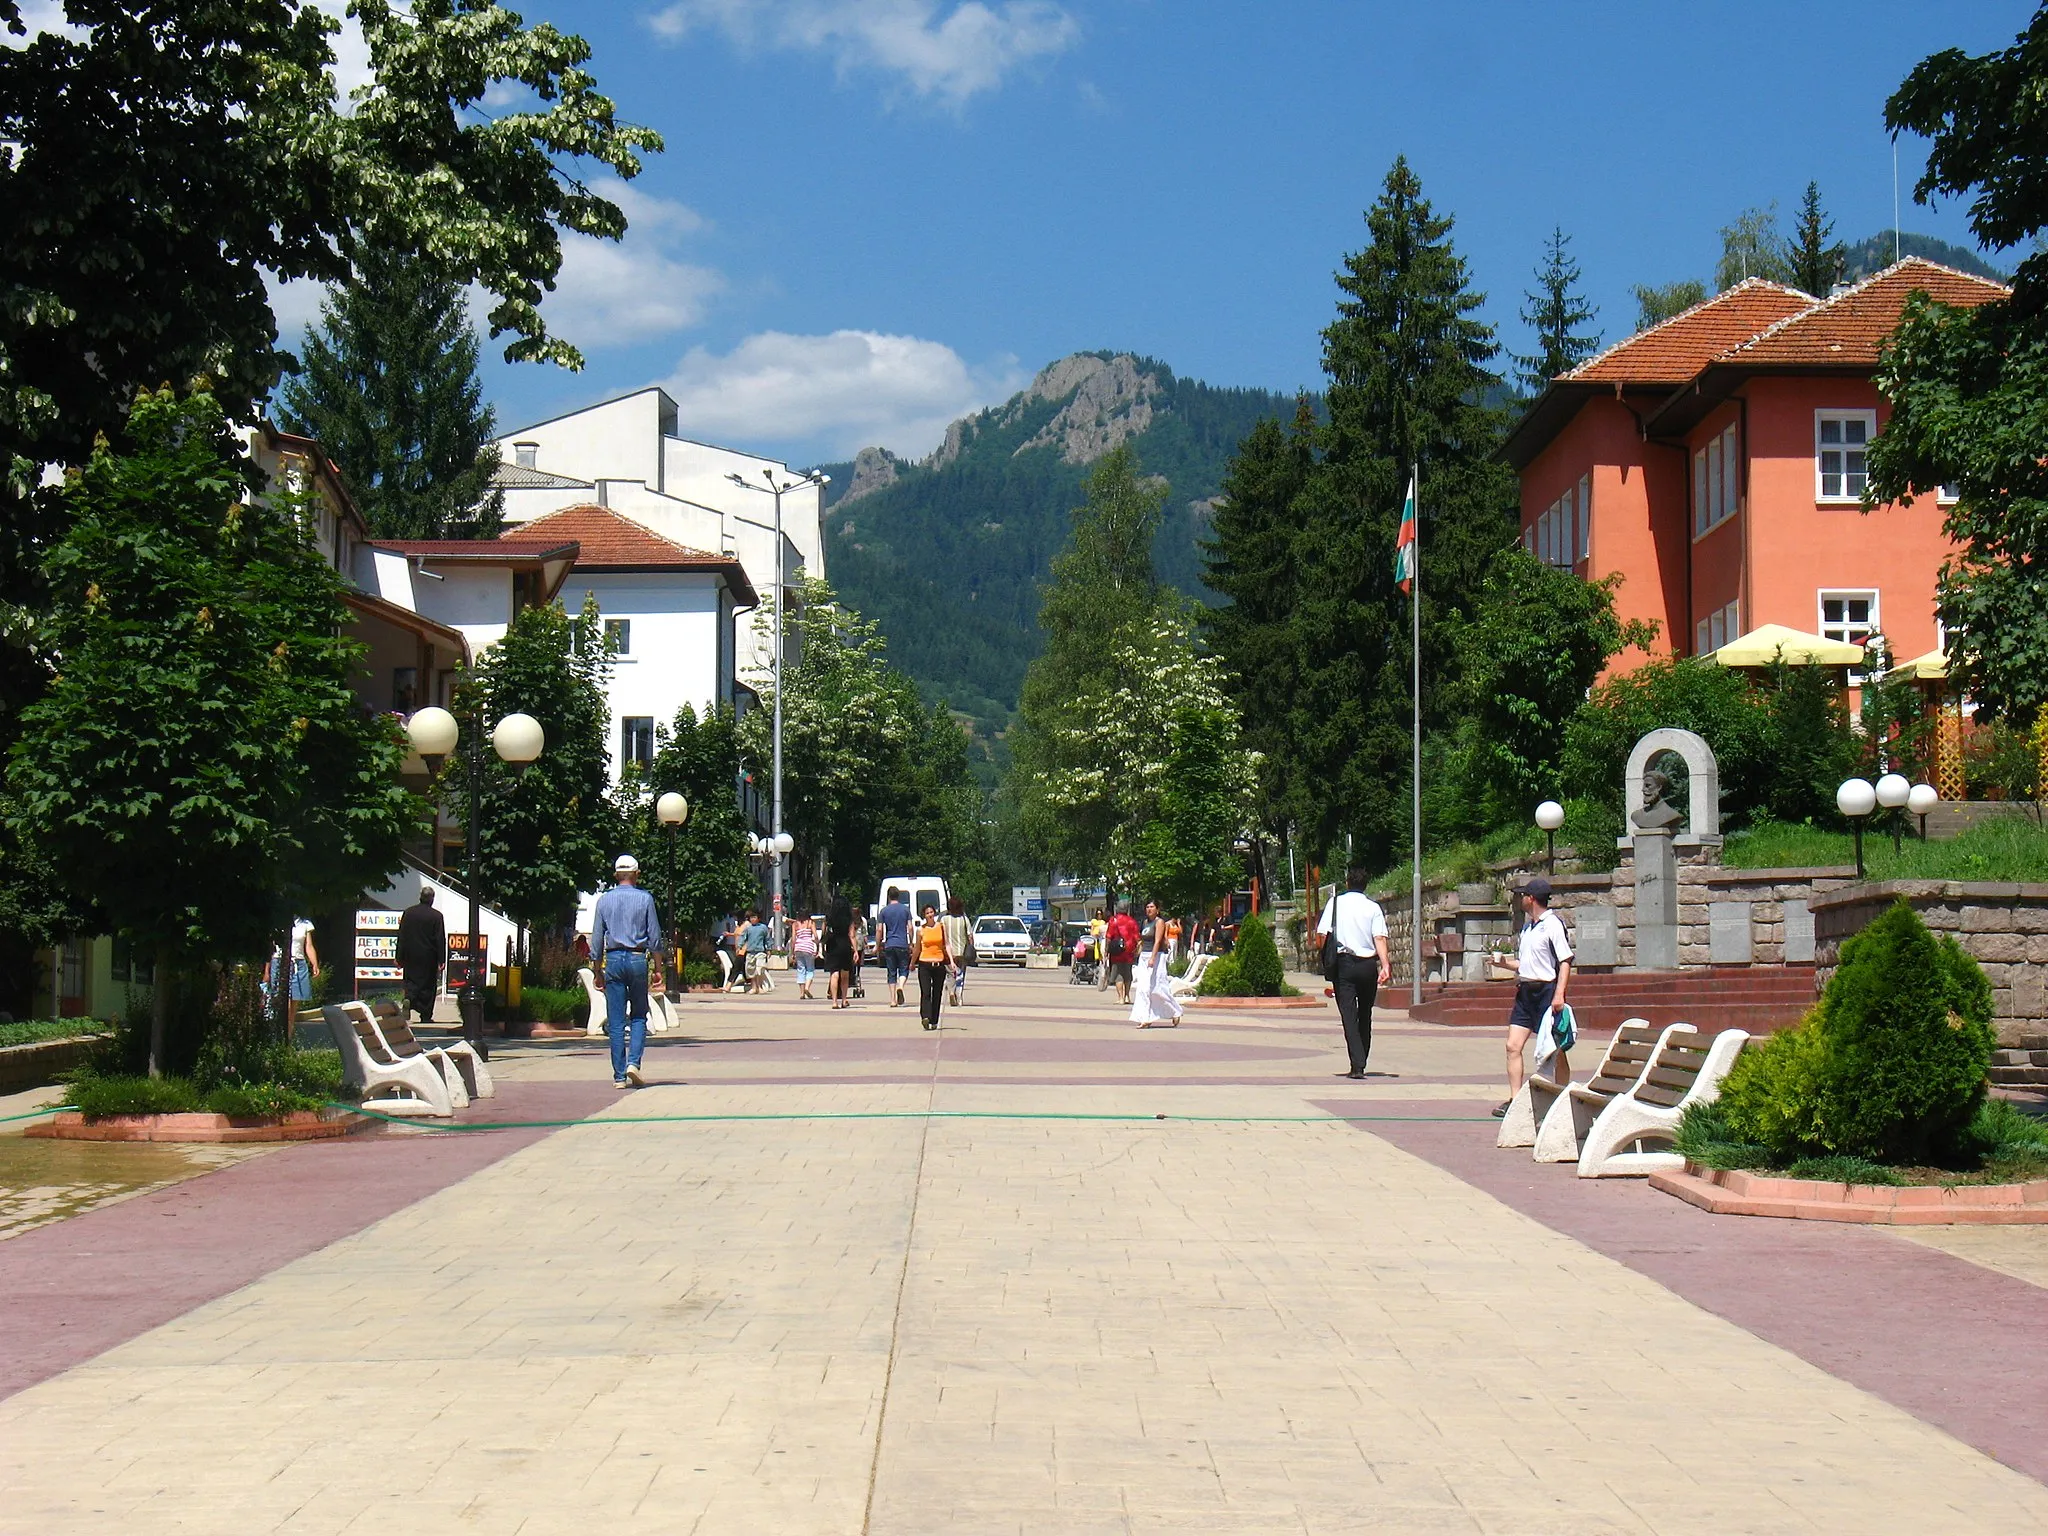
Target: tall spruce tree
point(1817, 262)
point(388, 384)
point(1407, 363)
point(1557, 311)
point(1249, 561)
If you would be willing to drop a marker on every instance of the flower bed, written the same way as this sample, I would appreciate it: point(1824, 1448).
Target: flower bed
point(295, 1125)
point(1732, 1192)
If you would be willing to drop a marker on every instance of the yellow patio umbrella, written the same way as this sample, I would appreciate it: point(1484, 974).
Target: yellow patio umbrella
point(1931, 668)
point(1764, 644)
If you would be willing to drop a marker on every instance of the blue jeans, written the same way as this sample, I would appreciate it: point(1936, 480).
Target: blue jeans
point(625, 1008)
point(898, 960)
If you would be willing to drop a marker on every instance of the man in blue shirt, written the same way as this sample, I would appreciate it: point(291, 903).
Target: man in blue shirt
point(756, 941)
point(625, 931)
point(894, 921)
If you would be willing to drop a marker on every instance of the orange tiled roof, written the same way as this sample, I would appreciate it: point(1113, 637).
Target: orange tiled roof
point(1676, 349)
point(1847, 330)
point(607, 538)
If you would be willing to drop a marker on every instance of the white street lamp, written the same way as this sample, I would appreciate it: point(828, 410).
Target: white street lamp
point(433, 731)
point(1893, 791)
point(671, 810)
point(1856, 799)
point(1921, 799)
point(518, 739)
point(776, 488)
point(1550, 816)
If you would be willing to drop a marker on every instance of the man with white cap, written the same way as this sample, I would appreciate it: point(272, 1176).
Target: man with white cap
point(624, 932)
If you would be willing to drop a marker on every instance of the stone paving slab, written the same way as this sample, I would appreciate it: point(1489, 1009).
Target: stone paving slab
point(1264, 1321)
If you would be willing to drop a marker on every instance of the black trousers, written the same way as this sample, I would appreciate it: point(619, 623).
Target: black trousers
point(931, 989)
point(1358, 987)
point(421, 988)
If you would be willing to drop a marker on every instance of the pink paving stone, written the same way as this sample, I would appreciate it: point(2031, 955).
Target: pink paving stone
point(1962, 1347)
point(77, 1288)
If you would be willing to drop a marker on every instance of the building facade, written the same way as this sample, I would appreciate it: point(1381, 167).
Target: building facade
point(1716, 462)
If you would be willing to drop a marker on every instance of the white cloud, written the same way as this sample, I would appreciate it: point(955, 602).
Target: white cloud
point(294, 305)
point(835, 393)
point(951, 53)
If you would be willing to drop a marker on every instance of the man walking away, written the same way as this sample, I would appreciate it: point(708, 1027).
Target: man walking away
point(758, 979)
point(1543, 970)
point(1358, 966)
point(624, 932)
point(1120, 937)
point(422, 951)
point(894, 921)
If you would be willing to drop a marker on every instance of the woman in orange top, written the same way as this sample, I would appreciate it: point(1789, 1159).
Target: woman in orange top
point(934, 956)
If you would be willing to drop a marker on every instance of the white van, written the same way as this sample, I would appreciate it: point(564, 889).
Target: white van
point(920, 891)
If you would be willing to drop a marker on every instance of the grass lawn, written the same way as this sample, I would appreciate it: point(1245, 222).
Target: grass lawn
point(38, 1031)
point(2012, 848)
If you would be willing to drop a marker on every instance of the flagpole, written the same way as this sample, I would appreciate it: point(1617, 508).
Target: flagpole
point(1415, 745)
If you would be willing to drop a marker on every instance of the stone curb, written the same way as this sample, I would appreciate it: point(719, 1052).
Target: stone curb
point(300, 1125)
point(1304, 1001)
point(1727, 1192)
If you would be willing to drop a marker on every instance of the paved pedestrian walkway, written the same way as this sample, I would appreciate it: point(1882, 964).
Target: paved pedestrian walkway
point(775, 1294)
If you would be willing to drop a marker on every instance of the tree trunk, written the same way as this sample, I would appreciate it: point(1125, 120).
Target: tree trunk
point(159, 1011)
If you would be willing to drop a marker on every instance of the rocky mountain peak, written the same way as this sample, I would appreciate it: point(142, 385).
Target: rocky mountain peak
point(873, 468)
point(1111, 403)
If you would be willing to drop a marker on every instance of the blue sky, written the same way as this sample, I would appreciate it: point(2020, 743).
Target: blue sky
point(874, 215)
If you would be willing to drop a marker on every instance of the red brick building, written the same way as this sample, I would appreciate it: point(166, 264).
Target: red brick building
point(1716, 461)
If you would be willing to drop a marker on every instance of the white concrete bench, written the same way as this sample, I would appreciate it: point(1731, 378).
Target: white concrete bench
point(1632, 1135)
point(594, 1025)
point(413, 1086)
point(1186, 986)
point(1564, 1116)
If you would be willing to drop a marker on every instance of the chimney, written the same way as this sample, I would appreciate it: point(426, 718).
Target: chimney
point(525, 453)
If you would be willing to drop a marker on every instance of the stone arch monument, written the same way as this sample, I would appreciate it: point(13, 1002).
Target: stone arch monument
point(1654, 834)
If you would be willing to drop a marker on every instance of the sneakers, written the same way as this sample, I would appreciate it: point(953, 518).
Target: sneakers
point(635, 1077)
point(620, 1082)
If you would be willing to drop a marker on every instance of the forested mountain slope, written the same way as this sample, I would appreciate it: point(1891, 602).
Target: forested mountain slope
point(948, 554)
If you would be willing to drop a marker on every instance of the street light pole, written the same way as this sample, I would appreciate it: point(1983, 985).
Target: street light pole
point(776, 488)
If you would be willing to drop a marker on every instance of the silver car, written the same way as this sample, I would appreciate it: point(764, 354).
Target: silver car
point(1000, 940)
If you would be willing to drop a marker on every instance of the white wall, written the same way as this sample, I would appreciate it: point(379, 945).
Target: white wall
point(474, 600)
point(618, 438)
point(674, 655)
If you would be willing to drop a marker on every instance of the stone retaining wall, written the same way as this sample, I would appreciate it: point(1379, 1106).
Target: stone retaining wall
point(2002, 924)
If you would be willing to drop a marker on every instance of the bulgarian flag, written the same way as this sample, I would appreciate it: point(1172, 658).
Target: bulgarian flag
point(1404, 543)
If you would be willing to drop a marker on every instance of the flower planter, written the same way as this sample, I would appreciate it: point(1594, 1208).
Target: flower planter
point(1728, 1192)
point(299, 1125)
point(1049, 961)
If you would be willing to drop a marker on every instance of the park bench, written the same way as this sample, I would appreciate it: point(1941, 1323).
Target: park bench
point(659, 1020)
point(1565, 1114)
point(413, 1086)
point(371, 1034)
point(1632, 1135)
point(461, 1058)
point(1627, 1054)
point(1185, 986)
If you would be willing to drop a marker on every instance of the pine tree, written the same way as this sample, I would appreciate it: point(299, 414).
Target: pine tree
point(1817, 265)
point(1250, 562)
point(389, 387)
point(1556, 310)
point(1407, 363)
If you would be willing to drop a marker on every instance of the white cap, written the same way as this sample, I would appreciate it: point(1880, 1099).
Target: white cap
point(626, 864)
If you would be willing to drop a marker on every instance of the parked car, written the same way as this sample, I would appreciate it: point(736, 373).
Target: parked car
point(1000, 939)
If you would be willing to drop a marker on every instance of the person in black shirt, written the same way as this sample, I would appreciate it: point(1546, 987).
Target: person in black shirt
point(422, 951)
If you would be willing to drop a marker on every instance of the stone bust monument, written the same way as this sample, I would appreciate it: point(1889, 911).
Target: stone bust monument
point(1658, 814)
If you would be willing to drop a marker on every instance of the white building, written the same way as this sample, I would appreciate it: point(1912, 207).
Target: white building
point(628, 456)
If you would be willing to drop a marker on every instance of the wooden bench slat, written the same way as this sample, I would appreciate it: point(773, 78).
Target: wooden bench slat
point(1663, 1098)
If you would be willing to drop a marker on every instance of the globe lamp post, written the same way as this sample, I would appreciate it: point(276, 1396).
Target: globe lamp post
point(1856, 799)
point(1921, 799)
point(671, 810)
point(1893, 792)
point(517, 739)
point(1550, 816)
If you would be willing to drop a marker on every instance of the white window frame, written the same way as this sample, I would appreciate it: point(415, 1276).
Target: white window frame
point(1716, 481)
point(626, 734)
point(620, 632)
point(1586, 517)
point(1844, 497)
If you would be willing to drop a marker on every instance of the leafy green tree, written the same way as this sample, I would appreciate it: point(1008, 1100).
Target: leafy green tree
point(549, 832)
point(388, 385)
point(1752, 247)
point(1558, 312)
point(1407, 363)
point(1817, 261)
point(199, 768)
point(1656, 305)
point(1969, 387)
point(1188, 850)
point(704, 873)
point(1533, 646)
point(163, 155)
point(1250, 562)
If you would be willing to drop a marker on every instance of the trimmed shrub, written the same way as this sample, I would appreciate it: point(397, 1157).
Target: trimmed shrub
point(1258, 960)
point(700, 973)
point(1223, 979)
point(553, 1005)
point(1890, 1065)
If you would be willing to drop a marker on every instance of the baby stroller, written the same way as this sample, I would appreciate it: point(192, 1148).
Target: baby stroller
point(1084, 970)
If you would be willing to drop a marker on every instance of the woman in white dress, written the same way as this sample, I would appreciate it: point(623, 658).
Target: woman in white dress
point(1152, 1005)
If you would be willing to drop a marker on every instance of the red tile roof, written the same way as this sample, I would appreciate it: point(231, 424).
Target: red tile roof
point(1847, 330)
point(1678, 348)
point(607, 538)
point(513, 546)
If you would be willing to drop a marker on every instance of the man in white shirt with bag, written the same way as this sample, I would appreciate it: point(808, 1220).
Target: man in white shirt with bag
point(1543, 970)
point(1355, 963)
